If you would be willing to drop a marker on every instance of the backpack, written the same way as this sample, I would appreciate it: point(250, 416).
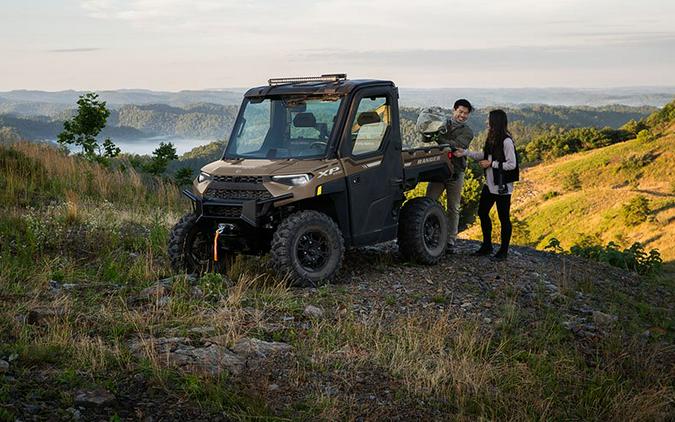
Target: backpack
point(510, 176)
point(431, 122)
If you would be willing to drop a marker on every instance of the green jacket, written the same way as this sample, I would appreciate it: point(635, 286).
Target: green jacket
point(459, 135)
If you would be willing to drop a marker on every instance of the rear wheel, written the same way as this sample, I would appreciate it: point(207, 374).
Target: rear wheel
point(308, 246)
point(191, 248)
point(422, 231)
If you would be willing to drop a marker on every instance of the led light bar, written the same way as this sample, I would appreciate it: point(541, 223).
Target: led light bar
point(331, 77)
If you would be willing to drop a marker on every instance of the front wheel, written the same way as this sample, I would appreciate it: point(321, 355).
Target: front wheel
point(422, 231)
point(308, 246)
point(191, 247)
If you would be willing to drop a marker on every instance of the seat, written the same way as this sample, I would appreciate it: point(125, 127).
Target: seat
point(306, 119)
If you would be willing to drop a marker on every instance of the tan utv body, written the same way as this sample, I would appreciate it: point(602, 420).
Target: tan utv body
point(313, 165)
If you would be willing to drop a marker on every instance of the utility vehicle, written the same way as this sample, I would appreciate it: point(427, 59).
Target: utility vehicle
point(313, 165)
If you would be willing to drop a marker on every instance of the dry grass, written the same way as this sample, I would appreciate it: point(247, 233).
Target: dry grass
point(457, 367)
point(34, 170)
point(610, 178)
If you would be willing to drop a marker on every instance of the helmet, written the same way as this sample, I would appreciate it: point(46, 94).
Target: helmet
point(432, 121)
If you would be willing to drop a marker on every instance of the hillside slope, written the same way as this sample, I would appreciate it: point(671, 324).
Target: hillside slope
point(585, 195)
point(94, 325)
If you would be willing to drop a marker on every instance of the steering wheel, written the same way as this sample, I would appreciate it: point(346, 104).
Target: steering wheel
point(318, 144)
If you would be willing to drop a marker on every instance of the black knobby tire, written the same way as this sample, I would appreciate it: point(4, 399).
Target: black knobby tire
point(422, 231)
point(191, 248)
point(308, 247)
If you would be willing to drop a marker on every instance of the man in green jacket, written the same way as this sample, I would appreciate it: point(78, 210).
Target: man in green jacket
point(458, 135)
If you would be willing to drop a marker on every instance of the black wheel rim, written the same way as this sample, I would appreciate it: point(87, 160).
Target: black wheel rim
point(312, 250)
point(199, 249)
point(432, 232)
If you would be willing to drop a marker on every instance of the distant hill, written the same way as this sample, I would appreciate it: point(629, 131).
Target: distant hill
point(117, 98)
point(200, 121)
point(484, 97)
point(129, 122)
point(623, 193)
point(32, 102)
point(42, 128)
point(530, 121)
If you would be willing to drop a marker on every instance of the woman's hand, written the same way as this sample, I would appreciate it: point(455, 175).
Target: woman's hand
point(485, 163)
point(459, 152)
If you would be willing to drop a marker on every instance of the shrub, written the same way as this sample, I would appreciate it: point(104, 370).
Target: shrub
point(636, 211)
point(635, 258)
point(636, 162)
point(645, 136)
point(634, 126)
point(572, 182)
point(550, 195)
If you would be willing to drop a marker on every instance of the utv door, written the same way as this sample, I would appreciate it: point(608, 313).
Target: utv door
point(371, 155)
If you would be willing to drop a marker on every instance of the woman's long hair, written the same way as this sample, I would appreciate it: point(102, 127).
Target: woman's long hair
point(497, 132)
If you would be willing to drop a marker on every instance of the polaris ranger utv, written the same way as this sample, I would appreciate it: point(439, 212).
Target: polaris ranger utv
point(313, 165)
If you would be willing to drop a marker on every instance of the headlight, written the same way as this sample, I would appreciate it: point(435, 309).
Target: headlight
point(293, 179)
point(203, 177)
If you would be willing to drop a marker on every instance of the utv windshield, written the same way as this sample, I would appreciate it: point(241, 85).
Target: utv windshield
point(283, 127)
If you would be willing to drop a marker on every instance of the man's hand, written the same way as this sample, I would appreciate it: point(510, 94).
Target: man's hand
point(485, 163)
point(459, 152)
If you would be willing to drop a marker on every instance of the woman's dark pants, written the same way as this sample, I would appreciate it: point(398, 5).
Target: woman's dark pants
point(487, 200)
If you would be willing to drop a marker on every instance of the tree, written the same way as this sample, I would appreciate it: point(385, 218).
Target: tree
point(85, 126)
point(183, 176)
point(9, 135)
point(160, 158)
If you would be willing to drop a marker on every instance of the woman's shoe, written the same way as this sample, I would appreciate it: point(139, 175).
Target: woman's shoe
point(501, 256)
point(483, 251)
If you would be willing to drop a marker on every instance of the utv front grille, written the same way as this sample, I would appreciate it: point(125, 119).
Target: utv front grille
point(222, 211)
point(245, 194)
point(238, 179)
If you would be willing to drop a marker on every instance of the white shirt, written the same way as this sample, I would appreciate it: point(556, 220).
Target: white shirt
point(509, 164)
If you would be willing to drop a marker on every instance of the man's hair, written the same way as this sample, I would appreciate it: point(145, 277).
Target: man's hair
point(463, 103)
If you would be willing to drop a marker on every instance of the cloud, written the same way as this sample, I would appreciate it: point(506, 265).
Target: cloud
point(633, 52)
point(73, 50)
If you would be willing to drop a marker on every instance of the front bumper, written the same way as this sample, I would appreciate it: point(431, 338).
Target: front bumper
point(249, 211)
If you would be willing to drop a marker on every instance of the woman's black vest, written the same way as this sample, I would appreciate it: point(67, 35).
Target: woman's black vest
point(502, 176)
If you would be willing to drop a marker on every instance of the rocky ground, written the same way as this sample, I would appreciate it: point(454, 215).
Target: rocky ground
point(348, 350)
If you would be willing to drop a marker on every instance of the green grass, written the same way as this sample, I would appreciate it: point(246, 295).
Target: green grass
point(524, 366)
point(610, 179)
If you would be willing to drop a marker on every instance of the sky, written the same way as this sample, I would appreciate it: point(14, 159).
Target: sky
point(177, 45)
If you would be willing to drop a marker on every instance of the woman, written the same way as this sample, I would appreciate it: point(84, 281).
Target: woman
point(498, 159)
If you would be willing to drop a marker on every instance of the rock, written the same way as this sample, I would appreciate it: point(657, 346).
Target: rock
point(76, 413)
point(466, 305)
point(312, 311)
point(155, 291)
point(196, 292)
point(601, 318)
point(32, 408)
point(95, 397)
point(202, 330)
point(69, 286)
point(4, 366)
point(273, 387)
point(163, 301)
point(212, 359)
point(177, 351)
point(259, 348)
point(487, 320)
point(39, 316)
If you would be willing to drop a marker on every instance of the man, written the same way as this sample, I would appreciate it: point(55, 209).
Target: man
point(458, 135)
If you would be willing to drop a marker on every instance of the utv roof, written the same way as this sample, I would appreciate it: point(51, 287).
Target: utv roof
point(314, 85)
